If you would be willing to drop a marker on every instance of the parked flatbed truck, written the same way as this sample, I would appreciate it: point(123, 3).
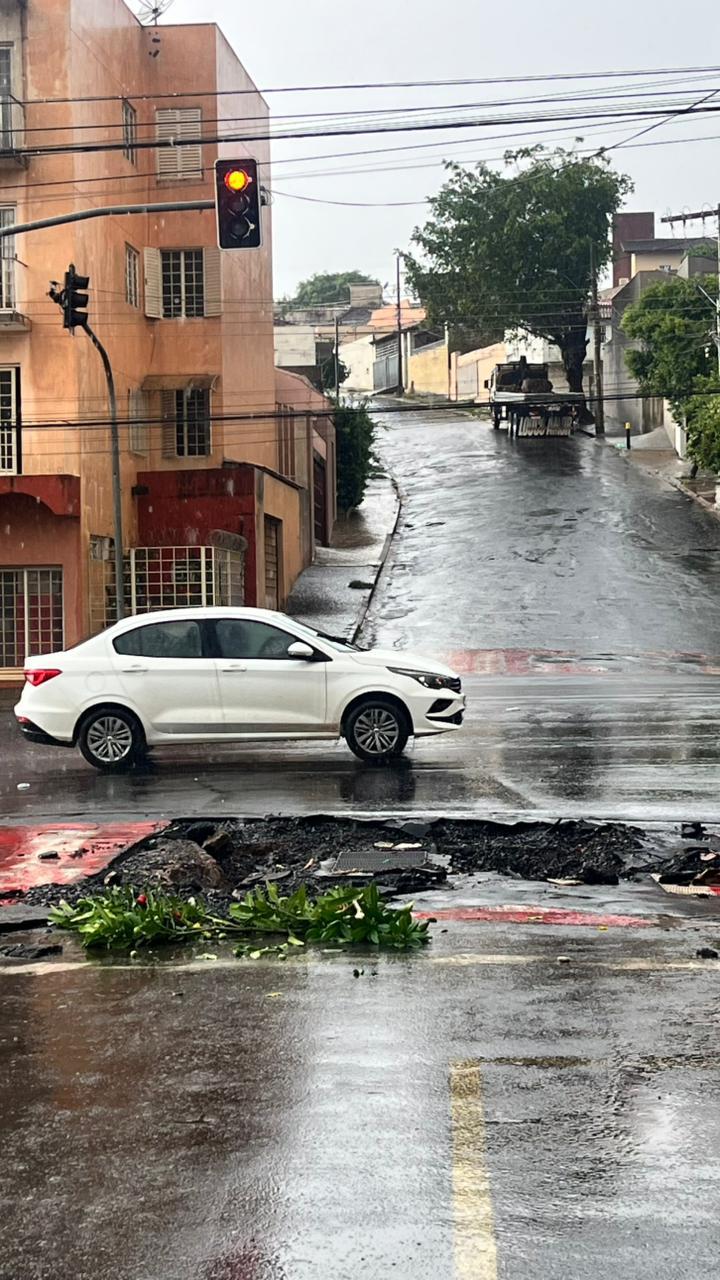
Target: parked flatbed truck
point(522, 395)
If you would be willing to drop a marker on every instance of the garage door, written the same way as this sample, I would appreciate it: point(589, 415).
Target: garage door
point(272, 563)
point(320, 496)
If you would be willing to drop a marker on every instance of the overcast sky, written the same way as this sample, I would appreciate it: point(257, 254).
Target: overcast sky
point(286, 42)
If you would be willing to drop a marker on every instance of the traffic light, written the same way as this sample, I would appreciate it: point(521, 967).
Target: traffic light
point(237, 203)
point(74, 300)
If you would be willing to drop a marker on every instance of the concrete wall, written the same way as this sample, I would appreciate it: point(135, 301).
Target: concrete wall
point(660, 261)
point(294, 345)
point(358, 357)
point(428, 370)
point(31, 534)
point(469, 371)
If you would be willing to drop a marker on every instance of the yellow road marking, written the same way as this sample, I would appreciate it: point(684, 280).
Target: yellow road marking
point(474, 1248)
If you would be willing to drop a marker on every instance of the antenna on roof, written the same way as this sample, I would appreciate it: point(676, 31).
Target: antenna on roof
point(148, 11)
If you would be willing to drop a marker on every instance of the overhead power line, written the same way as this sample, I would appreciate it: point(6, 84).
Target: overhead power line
point(380, 84)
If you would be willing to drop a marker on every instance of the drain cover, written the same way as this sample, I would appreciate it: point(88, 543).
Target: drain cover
point(379, 859)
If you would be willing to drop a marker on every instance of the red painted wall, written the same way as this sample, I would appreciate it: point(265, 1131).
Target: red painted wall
point(182, 508)
point(31, 535)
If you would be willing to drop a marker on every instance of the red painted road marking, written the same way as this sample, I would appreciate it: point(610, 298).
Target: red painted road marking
point(526, 662)
point(20, 847)
point(535, 915)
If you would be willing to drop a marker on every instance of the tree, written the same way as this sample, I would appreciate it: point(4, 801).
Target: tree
point(672, 322)
point(513, 250)
point(328, 287)
point(355, 436)
point(676, 357)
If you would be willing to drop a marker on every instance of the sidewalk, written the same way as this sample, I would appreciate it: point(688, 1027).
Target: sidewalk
point(653, 453)
point(334, 593)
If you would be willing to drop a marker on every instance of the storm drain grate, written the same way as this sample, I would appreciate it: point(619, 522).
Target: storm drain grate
point(379, 859)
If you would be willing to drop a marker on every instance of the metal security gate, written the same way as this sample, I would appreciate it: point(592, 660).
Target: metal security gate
point(272, 563)
point(166, 578)
point(320, 500)
point(31, 614)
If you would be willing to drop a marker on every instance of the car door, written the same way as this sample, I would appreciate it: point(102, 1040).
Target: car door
point(262, 690)
point(164, 670)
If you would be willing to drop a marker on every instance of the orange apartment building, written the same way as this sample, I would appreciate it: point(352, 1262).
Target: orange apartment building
point(221, 504)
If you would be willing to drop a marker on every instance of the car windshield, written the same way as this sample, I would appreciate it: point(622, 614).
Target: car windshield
point(335, 642)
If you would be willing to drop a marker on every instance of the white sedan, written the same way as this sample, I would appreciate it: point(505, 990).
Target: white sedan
point(227, 675)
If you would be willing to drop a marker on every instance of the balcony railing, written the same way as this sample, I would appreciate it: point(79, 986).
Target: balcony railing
point(12, 131)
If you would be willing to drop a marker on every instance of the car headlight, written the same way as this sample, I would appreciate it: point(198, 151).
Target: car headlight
point(429, 680)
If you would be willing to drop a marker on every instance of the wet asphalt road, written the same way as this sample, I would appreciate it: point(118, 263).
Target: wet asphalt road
point(474, 1112)
point(637, 748)
point(553, 544)
point(504, 548)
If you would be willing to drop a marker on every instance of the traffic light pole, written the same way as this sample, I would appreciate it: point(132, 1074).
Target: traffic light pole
point(116, 485)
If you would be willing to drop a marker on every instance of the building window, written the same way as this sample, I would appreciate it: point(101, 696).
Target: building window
point(183, 284)
point(9, 424)
point(7, 137)
point(132, 276)
point(129, 125)
point(179, 125)
point(8, 217)
point(31, 613)
point(139, 427)
point(186, 423)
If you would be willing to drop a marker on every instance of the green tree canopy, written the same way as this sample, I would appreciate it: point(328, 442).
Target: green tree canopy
point(676, 358)
point(328, 287)
point(513, 250)
point(671, 323)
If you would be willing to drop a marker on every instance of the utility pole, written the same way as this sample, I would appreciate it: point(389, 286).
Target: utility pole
point(703, 214)
point(73, 301)
point(597, 347)
point(337, 358)
point(401, 377)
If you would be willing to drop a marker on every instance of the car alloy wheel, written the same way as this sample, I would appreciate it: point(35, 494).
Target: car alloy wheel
point(110, 739)
point(377, 731)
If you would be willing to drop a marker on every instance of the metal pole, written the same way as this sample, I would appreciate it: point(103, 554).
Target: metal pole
point(401, 378)
point(167, 206)
point(337, 358)
point(116, 486)
point(597, 348)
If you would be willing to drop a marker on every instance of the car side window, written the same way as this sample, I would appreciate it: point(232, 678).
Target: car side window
point(245, 638)
point(161, 640)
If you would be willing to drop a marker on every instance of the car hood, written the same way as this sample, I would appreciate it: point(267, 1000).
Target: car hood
point(402, 660)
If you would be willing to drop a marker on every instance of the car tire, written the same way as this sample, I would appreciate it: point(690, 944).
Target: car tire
point(111, 739)
point(377, 730)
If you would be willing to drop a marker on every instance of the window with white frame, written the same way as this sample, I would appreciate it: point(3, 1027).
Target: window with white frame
point(8, 217)
point(183, 283)
point(31, 613)
point(179, 129)
point(132, 276)
point(138, 424)
point(129, 125)
point(9, 425)
point(186, 423)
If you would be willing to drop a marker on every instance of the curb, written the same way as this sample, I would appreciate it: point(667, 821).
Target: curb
point(365, 607)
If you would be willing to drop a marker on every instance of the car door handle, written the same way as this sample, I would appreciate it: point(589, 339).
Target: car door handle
point(236, 667)
point(133, 671)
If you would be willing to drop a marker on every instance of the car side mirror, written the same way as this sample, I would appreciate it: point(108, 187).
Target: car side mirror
point(301, 651)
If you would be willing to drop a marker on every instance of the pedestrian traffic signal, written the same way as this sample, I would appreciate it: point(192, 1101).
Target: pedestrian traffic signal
point(237, 203)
